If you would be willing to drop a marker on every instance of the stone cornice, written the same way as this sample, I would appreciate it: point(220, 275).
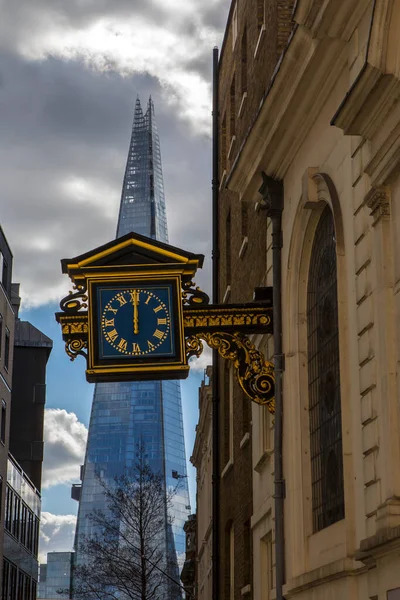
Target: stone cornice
point(374, 96)
point(381, 544)
point(368, 103)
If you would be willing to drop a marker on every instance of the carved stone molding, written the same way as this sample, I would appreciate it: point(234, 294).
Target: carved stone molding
point(378, 200)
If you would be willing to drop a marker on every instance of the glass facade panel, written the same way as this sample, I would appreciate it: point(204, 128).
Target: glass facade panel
point(55, 577)
point(124, 414)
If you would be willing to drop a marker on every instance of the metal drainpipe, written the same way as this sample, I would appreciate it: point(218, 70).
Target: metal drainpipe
point(272, 193)
point(215, 371)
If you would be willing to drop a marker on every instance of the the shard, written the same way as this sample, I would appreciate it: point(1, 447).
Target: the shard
point(125, 414)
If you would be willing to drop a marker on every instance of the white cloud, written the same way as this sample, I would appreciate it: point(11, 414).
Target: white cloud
point(204, 360)
point(56, 534)
point(136, 43)
point(64, 447)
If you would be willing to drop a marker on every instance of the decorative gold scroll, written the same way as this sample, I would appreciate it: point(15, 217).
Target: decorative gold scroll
point(254, 374)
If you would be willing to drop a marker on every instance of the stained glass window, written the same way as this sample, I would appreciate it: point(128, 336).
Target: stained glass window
point(324, 378)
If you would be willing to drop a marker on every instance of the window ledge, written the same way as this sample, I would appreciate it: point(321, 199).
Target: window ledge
point(228, 467)
point(245, 440)
point(233, 140)
point(223, 179)
point(260, 37)
point(242, 103)
point(259, 466)
point(243, 247)
point(227, 294)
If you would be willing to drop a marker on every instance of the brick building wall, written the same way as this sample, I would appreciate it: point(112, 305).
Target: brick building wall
point(327, 127)
point(256, 34)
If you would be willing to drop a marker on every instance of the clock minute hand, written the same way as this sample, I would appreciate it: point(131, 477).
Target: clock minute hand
point(135, 298)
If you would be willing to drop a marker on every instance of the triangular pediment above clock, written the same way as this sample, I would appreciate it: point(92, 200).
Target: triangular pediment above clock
point(131, 249)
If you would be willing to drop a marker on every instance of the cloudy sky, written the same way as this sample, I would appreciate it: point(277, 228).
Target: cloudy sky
point(70, 71)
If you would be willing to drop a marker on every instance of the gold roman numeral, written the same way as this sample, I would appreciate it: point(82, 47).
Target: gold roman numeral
point(122, 344)
point(158, 334)
point(121, 300)
point(136, 348)
point(113, 334)
point(113, 310)
point(158, 308)
point(161, 321)
point(150, 345)
point(109, 323)
point(148, 299)
point(135, 296)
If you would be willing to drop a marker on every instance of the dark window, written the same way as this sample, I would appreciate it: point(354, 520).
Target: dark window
point(24, 519)
point(22, 586)
point(7, 349)
point(3, 423)
point(245, 219)
point(30, 539)
point(6, 574)
point(226, 405)
point(35, 548)
point(33, 590)
point(1, 334)
point(324, 378)
point(16, 516)
point(260, 14)
point(228, 249)
point(223, 144)
point(233, 108)
point(244, 62)
point(8, 508)
point(246, 554)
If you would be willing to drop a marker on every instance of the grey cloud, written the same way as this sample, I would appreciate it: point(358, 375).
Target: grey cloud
point(75, 13)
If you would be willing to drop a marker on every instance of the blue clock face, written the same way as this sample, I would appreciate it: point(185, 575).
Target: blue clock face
point(135, 321)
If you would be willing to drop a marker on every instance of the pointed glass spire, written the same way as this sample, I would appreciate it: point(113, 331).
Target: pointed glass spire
point(126, 413)
point(142, 206)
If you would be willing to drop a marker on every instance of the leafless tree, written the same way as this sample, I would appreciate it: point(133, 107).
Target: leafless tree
point(126, 557)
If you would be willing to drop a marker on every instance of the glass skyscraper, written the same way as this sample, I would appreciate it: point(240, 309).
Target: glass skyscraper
point(124, 414)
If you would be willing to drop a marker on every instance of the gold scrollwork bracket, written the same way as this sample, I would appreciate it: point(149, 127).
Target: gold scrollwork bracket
point(75, 300)
point(76, 348)
point(192, 295)
point(254, 374)
point(74, 329)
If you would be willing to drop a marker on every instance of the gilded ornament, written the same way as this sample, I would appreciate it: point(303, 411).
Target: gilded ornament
point(192, 295)
point(254, 374)
point(76, 347)
point(75, 301)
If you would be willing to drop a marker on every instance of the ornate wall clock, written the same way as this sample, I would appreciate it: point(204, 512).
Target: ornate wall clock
point(135, 325)
point(135, 313)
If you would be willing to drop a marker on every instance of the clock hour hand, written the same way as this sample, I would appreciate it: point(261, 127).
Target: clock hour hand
point(135, 299)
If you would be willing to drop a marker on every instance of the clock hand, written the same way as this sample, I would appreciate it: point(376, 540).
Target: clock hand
point(135, 298)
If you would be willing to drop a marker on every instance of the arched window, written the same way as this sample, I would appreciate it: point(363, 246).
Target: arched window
point(324, 378)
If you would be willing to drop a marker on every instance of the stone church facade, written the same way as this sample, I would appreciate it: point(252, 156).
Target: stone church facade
point(309, 95)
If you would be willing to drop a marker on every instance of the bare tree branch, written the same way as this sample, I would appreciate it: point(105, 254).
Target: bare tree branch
point(127, 555)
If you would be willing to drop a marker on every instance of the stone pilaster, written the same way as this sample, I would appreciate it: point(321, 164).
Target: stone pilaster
point(388, 512)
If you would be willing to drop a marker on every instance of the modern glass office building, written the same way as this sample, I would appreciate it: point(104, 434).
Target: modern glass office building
point(55, 576)
point(124, 414)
